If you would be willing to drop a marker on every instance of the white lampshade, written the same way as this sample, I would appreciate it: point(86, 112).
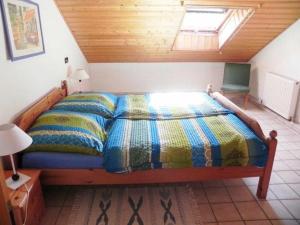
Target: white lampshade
point(80, 74)
point(13, 139)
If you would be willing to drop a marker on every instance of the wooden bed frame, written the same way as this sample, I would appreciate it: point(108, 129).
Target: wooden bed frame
point(101, 177)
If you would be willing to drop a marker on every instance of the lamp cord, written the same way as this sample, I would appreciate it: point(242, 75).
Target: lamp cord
point(26, 204)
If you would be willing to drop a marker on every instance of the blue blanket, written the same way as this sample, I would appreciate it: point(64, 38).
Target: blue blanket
point(222, 140)
point(167, 106)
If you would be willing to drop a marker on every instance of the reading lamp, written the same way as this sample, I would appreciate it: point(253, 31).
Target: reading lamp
point(80, 74)
point(13, 140)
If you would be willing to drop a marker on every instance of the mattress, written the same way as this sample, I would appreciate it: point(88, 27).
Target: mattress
point(56, 160)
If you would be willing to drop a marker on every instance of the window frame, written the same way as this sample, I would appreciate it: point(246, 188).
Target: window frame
point(188, 8)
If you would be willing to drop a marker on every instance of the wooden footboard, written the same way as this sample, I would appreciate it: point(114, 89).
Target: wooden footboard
point(270, 141)
point(101, 177)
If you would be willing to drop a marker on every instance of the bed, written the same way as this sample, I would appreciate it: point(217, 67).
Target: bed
point(255, 161)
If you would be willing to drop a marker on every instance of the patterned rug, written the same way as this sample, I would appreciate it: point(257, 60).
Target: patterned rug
point(136, 205)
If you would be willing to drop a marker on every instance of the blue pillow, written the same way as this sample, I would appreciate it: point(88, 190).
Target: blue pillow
point(103, 104)
point(63, 131)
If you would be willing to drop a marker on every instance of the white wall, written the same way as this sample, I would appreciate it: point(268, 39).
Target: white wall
point(144, 77)
point(23, 82)
point(281, 56)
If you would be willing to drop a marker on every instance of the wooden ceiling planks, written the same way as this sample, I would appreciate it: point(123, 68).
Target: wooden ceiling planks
point(145, 30)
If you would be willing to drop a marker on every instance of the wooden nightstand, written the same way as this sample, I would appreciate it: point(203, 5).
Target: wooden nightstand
point(19, 198)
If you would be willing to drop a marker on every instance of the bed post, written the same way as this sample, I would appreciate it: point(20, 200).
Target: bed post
point(209, 89)
point(264, 180)
point(64, 87)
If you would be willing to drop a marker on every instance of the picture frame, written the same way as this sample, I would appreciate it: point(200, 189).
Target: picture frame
point(23, 29)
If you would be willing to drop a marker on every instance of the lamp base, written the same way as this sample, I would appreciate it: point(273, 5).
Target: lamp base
point(15, 177)
point(18, 183)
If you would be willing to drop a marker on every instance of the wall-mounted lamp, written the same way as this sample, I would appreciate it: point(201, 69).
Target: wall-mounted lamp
point(79, 74)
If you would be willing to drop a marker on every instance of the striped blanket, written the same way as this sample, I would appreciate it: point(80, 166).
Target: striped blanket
point(222, 140)
point(167, 106)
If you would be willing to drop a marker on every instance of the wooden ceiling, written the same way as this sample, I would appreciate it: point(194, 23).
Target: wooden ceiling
point(145, 30)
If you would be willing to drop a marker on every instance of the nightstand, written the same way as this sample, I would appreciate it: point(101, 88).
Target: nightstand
point(18, 199)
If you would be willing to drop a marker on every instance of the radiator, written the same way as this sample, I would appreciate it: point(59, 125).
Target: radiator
point(280, 95)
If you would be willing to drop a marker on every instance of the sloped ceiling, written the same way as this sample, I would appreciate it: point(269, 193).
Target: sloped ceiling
point(145, 30)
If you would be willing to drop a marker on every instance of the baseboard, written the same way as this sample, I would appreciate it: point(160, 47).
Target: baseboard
point(256, 101)
point(294, 124)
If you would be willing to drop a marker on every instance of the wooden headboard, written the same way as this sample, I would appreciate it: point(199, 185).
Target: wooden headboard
point(25, 120)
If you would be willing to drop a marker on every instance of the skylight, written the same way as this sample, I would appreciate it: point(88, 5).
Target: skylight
point(208, 28)
point(200, 19)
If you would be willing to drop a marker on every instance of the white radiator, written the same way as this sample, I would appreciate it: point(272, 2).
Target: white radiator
point(280, 94)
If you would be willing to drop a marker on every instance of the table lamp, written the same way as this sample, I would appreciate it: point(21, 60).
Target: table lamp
point(13, 140)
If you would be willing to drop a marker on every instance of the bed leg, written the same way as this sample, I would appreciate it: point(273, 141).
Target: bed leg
point(246, 100)
point(209, 89)
point(264, 180)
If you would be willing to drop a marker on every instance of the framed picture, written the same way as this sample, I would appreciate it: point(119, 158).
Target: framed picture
point(22, 24)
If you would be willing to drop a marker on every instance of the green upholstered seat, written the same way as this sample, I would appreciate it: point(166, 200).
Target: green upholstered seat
point(235, 88)
point(236, 77)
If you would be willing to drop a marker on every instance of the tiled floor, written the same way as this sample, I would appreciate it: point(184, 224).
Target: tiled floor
point(231, 202)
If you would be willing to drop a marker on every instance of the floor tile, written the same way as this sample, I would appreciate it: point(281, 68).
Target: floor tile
point(217, 195)
point(293, 164)
point(296, 188)
point(293, 206)
point(275, 210)
point(225, 212)
point(283, 191)
point(258, 222)
point(251, 181)
point(287, 132)
point(297, 144)
point(70, 196)
point(55, 195)
point(233, 182)
point(50, 216)
point(232, 223)
point(280, 165)
point(275, 179)
point(284, 222)
point(289, 146)
point(200, 195)
point(289, 176)
point(296, 153)
point(213, 183)
point(291, 138)
point(240, 193)
point(283, 155)
point(250, 210)
point(270, 194)
point(206, 213)
point(64, 216)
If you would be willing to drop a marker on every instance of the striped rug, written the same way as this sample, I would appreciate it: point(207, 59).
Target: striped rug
point(135, 205)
